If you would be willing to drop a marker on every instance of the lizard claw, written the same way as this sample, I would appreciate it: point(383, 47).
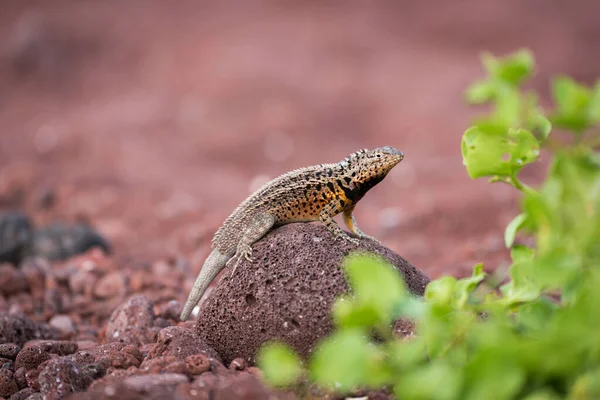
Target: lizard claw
point(243, 252)
point(352, 240)
point(363, 236)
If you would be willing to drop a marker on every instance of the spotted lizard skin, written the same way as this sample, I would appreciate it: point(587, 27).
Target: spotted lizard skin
point(315, 193)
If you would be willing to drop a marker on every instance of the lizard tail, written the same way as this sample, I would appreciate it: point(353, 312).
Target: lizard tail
point(214, 263)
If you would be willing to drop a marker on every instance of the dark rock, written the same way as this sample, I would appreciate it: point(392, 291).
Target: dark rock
point(60, 242)
point(131, 322)
point(171, 310)
point(158, 364)
point(18, 329)
point(30, 357)
point(197, 364)
point(20, 378)
point(145, 383)
point(181, 343)
point(7, 363)
point(177, 367)
point(36, 352)
point(286, 292)
point(9, 350)
point(60, 377)
point(16, 232)
point(118, 389)
point(8, 386)
point(12, 280)
point(35, 271)
point(23, 394)
point(110, 285)
point(31, 377)
point(231, 386)
point(60, 347)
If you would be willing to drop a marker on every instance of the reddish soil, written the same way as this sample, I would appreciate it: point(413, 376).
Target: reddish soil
point(153, 120)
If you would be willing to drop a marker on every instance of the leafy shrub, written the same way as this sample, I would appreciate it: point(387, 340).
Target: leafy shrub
point(534, 337)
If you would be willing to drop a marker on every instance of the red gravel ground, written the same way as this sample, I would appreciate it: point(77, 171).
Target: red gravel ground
point(153, 120)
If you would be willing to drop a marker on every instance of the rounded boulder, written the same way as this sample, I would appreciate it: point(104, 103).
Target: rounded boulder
point(286, 292)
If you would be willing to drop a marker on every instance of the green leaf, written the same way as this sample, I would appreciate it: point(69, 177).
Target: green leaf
point(572, 104)
point(493, 371)
point(586, 387)
point(436, 381)
point(542, 125)
point(543, 394)
point(375, 283)
point(464, 287)
point(279, 363)
point(570, 97)
point(513, 227)
point(512, 69)
point(343, 359)
point(480, 92)
point(490, 150)
point(508, 107)
point(594, 106)
point(441, 290)
point(348, 313)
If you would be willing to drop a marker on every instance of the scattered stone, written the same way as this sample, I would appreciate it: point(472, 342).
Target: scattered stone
point(131, 321)
point(171, 310)
point(286, 292)
point(144, 383)
point(16, 232)
point(18, 329)
point(23, 394)
point(31, 377)
point(60, 377)
point(8, 386)
point(177, 367)
point(181, 343)
point(6, 363)
point(35, 271)
point(229, 386)
point(59, 242)
point(110, 285)
point(30, 357)
point(20, 378)
point(12, 280)
point(63, 323)
point(9, 350)
point(197, 364)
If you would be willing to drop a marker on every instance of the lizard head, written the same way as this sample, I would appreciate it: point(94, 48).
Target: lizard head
point(369, 167)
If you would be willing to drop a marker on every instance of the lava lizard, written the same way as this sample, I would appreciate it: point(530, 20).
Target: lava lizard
point(316, 193)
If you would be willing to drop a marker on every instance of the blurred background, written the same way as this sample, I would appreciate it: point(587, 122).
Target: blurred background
point(153, 120)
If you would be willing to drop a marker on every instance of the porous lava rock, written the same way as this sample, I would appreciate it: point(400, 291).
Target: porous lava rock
point(18, 329)
point(131, 322)
point(286, 292)
point(180, 342)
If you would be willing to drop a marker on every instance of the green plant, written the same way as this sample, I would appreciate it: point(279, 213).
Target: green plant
point(535, 337)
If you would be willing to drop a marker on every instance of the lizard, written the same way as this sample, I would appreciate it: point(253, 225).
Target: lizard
point(315, 193)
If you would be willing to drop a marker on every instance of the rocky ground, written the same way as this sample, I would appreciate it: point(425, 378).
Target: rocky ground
point(129, 131)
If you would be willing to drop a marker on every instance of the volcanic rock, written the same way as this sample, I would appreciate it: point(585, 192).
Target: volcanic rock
point(286, 292)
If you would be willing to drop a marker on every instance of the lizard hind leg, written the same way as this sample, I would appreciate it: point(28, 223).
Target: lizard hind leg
point(258, 227)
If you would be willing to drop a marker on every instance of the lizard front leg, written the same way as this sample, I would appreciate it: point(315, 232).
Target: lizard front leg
point(257, 228)
point(353, 226)
point(326, 215)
